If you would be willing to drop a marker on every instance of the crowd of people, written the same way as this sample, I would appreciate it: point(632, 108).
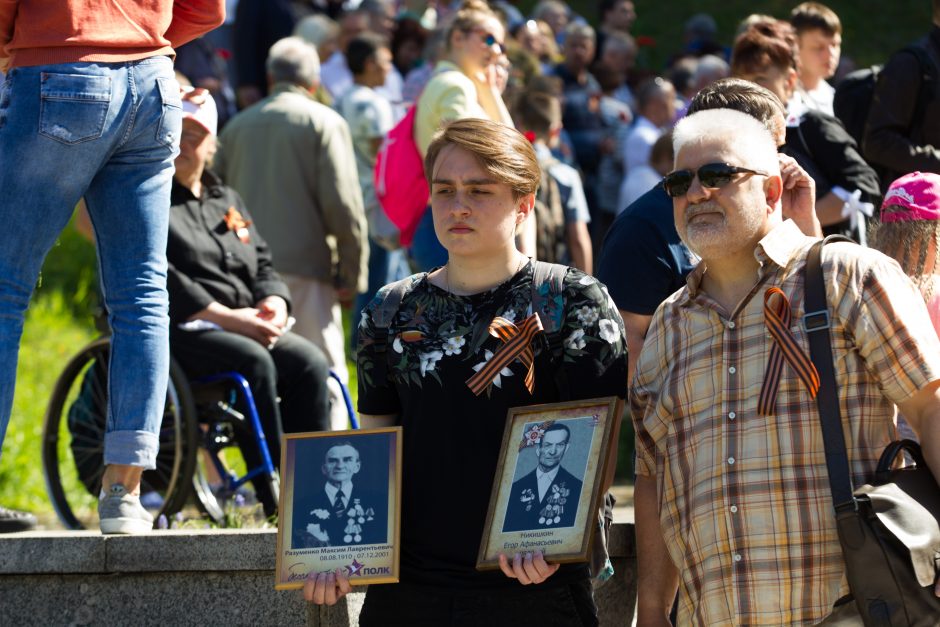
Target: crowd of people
point(688, 192)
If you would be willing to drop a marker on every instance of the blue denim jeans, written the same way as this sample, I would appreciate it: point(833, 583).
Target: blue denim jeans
point(108, 132)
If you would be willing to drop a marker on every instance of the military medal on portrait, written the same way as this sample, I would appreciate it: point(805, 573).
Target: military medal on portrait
point(548, 481)
point(340, 506)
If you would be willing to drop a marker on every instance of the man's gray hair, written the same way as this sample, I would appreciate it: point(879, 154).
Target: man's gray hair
point(709, 69)
point(294, 60)
point(577, 30)
point(619, 42)
point(317, 29)
point(545, 6)
point(751, 139)
point(341, 444)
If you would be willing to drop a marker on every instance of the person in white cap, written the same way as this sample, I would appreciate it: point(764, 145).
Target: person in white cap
point(229, 309)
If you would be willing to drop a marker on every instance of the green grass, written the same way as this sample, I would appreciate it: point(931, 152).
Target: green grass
point(58, 323)
point(871, 29)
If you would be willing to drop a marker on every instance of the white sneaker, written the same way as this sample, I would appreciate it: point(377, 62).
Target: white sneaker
point(120, 512)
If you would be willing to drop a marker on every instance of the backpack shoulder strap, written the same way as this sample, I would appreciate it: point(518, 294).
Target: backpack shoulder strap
point(394, 294)
point(383, 316)
point(548, 302)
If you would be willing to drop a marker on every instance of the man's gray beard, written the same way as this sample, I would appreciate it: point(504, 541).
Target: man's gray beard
point(724, 240)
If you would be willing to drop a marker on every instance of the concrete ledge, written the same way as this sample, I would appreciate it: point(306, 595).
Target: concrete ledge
point(90, 552)
point(40, 552)
point(196, 577)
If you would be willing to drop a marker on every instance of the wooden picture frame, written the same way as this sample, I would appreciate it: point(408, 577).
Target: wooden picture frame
point(559, 517)
point(315, 533)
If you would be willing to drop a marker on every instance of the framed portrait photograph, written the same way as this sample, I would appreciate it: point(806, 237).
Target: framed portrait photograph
point(548, 481)
point(340, 506)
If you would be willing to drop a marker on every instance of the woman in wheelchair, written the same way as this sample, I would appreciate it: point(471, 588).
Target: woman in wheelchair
point(229, 309)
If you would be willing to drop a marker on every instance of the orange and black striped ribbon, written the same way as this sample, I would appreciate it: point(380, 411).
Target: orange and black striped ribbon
point(785, 347)
point(517, 344)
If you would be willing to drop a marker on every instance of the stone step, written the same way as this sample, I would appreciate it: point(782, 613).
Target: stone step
point(194, 577)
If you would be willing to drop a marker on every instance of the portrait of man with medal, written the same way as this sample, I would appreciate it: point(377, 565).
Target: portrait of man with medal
point(547, 497)
point(343, 512)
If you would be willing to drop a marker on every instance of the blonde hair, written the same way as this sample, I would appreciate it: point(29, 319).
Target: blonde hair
point(908, 243)
point(503, 152)
point(471, 15)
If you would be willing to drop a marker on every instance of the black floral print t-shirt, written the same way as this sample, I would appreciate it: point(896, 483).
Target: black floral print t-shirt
point(436, 342)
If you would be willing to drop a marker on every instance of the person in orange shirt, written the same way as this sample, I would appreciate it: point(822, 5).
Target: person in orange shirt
point(89, 107)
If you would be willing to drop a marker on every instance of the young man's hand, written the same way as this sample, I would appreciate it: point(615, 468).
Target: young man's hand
point(528, 569)
point(326, 588)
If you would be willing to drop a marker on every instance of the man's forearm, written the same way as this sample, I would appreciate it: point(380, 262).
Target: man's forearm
point(658, 578)
point(829, 209)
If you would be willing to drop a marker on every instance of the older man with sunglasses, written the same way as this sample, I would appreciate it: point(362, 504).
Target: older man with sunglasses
point(733, 506)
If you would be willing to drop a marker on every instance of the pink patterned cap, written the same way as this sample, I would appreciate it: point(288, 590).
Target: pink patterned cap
point(918, 193)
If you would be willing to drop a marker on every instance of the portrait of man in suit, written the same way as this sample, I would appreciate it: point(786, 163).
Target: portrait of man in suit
point(547, 497)
point(342, 511)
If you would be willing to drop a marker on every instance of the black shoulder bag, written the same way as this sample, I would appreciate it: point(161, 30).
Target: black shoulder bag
point(888, 528)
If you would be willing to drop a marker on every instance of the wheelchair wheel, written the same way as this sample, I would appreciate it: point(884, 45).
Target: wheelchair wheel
point(73, 441)
point(232, 509)
point(220, 460)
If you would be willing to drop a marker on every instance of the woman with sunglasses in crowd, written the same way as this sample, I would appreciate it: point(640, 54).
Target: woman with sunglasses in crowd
point(448, 381)
point(465, 84)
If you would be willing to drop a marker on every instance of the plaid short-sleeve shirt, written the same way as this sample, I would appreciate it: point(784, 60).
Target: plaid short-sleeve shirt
point(744, 498)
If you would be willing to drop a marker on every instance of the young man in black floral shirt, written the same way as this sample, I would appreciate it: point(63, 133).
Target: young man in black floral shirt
point(483, 180)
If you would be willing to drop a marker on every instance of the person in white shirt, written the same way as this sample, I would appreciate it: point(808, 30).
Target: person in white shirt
point(656, 109)
point(335, 75)
point(819, 35)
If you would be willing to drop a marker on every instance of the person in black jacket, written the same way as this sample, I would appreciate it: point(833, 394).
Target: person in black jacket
point(258, 25)
point(902, 133)
point(847, 188)
point(229, 309)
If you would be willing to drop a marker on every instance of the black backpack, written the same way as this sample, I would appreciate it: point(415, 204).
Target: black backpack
point(854, 94)
point(550, 243)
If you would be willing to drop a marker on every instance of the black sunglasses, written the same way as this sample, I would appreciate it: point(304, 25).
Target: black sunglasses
point(490, 40)
point(713, 175)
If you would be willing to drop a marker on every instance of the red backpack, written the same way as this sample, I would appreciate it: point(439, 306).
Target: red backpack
point(400, 185)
